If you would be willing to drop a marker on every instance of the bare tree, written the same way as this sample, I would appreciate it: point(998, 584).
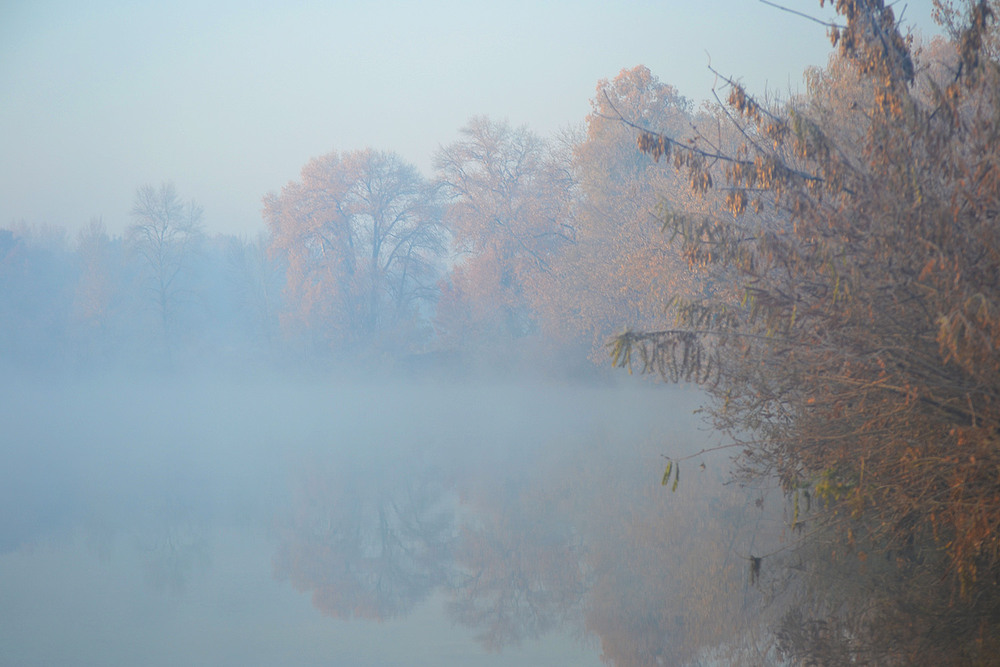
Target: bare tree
point(164, 234)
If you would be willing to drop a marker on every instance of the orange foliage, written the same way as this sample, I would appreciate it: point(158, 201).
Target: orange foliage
point(508, 211)
point(362, 238)
point(622, 269)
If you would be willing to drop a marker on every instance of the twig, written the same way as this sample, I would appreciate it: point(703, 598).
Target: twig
point(828, 24)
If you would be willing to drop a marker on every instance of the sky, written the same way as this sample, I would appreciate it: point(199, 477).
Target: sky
point(229, 99)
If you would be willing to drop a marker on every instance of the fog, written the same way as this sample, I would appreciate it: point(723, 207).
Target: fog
point(197, 520)
point(305, 322)
point(349, 442)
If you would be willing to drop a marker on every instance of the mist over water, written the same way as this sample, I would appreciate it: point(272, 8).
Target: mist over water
point(197, 520)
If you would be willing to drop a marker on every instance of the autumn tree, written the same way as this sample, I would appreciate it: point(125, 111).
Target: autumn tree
point(508, 199)
point(621, 270)
point(363, 240)
point(164, 235)
point(861, 369)
point(98, 300)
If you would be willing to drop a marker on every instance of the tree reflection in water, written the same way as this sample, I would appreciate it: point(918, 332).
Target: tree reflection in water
point(368, 539)
point(578, 538)
point(519, 567)
point(172, 545)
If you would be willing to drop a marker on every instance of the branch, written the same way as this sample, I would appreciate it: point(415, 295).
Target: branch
point(828, 24)
point(707, 450)
point(691, 149)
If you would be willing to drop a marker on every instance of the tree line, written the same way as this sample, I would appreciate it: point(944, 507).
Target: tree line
point(364, 258)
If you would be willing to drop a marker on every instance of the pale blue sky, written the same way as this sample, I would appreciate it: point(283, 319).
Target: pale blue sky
point(230, 99)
